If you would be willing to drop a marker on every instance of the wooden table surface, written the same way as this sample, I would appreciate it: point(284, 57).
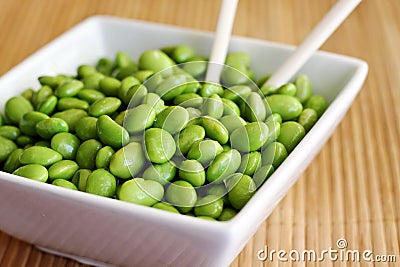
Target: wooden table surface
point(352, 188)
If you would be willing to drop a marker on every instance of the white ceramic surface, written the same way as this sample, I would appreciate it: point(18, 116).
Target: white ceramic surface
point(123, 234)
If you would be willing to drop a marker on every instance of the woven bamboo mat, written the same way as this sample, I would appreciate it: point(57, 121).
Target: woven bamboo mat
point(352, 188)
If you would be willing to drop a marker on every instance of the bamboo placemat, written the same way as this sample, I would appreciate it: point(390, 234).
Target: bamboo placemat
point(352, 188)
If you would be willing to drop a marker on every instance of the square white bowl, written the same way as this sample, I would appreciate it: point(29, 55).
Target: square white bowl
point(100, 230)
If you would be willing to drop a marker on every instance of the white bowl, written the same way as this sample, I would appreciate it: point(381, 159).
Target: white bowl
point(111, 232)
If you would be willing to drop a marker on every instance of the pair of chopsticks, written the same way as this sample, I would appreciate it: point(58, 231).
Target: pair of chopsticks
point(324, 29)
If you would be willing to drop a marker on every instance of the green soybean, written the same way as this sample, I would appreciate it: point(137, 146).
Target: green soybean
point(86, 128)
point(274, 154)
point(47, 128)
point(162, 173)
point(213, 106)
point(304, 89)
point(215, 129)
point(189, 100)
point(210, 206)
point(208, 89)
point(109, 86)
point(48, 105)
point(103, 157)
point(204, 151)
point(12, 163)
point(71, 117)
point(255, 108)
point(317, 103)
point(80, 179)
point(232, 122)
point(155, 60)
point(250, 163)
point(262, 174)
point(10, 132)
point(86, 154)
point(291, 134)
point(172, 119)
point(285, 105)
point(188, 136)
point(183, 53)
point(33, 171)
point(63, 169)
point(241, 188)
point(104, 106)
point(92, 81)
point(237, 92)
point(250, 137)
point(111, 133)
point(224, 165)
point(90, 95)
point(182, 195)
point(142, 192)
point(135, 94)
point(230, 107)
point(154, 101)
point(166, 207)
point(43, 93)
point(227, 214)
point(69, 89)
point(40, 155)
point(287, 89)
point(102, 183)
point(128, 161)
point(139, 118)
point(160, 145)
point(16, 107)
point(64, 183)
point(308, 118)
point(193, 172)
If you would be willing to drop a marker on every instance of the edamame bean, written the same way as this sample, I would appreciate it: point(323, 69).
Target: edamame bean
point(255, 108)
point(232, 122)
point(304, 89)
point(12, 163)
point(142, 192)
point(105, 66)
point(86, 128)
point(103, 157)
point(287, 89)
point(71, 117)
point(262, 174)
point(183, 53)
point(237, 92)
point(172, 119)
point(69, 89)
point(126, 83)
point(188, 136)
point(241, 188)
point(92, 81)
point(104, 106)
point(196, 67)
point(70, 103)
point(43, 93)
point(109, 86)
point(204, 151)
point(182, 195)
point(193, 172)
point(90, 95)
point(317, 103)
point(134, 96)
point(40, 155)
point(291, 134)
point(274, 130)
point(162, 173)
point(47, 128)
point(143, 75)
point(166, 207)
point(80, 179)
point(53, 81)
point(274, 117)
point(111, 133)
point(24, 140)
point(250, 137)
point(48, 105)
point(64, 183)
point(10, 132)
point(154, 101)
point(33, 171)
point(224, 165)
point(16, 107)
point(215, 129)
point(227, 214)
point(274, 154)
point(287, 106)
point(189, 100)
point(85, 70)
point(102, 183)
point(208, 89)
point(28, 93)
point(250, 163)
point(139, 118)
point(155, 60)
point(213, 106)
point(210, 206)
point(230, 107)
point(172, 86)
point(308, 118)
point(160, 145)
point(63, 169)
point(220, 191)
point(86, 154)
point(128, 161)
